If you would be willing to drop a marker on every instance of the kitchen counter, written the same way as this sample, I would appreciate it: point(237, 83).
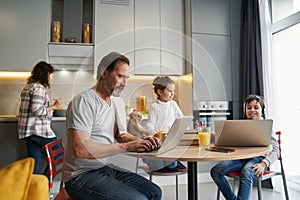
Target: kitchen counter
point(8, 118)
point(13, 118)
point(11, 147)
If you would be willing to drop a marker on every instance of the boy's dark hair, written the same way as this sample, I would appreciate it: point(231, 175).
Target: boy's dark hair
point(258, 98)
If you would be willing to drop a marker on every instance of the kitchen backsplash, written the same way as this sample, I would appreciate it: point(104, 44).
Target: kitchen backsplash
point(66, 84)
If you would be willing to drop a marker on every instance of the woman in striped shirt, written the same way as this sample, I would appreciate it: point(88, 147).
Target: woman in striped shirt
point(35, 113)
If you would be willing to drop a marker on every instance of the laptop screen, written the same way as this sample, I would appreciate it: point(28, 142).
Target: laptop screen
point(174, 135)
point(243, 132)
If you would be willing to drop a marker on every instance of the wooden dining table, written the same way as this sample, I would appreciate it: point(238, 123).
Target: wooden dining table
point(188, 150)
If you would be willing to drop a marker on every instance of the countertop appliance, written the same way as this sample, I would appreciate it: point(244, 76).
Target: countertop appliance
point(208, 111)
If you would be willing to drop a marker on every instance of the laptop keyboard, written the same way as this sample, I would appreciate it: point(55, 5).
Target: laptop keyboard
point(142, 150)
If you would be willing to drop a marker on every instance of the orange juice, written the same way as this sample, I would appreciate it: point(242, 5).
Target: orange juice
point(204, 136)
point(162, 135)
point(143, 103)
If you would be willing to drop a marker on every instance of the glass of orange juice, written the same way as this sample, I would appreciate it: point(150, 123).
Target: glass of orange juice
point(162, 134)
point(204, 136)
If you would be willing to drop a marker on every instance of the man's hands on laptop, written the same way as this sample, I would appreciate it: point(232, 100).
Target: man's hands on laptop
point(146, 144)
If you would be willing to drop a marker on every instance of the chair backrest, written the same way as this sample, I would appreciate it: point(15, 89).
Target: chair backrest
point(269, 173)
point(55, 156)
point(278, 133)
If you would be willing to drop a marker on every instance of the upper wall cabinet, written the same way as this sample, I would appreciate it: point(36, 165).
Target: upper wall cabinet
point(114, 25)
point(72, 21)
point(159, 37)
point(150, 34)
point(172, 37)
point(147, 37)
point(24, 33)
point(211, 17)
point(71, 56)
point(211, 51)
point(71, 38)
point(212, 68)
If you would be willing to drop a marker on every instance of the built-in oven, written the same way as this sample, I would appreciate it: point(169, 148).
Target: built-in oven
point(208, 111)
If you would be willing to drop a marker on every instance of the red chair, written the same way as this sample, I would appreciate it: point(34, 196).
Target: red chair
point(266, 175)
point(55, 156)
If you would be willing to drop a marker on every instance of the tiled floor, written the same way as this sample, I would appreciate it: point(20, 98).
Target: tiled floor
point(208, 190)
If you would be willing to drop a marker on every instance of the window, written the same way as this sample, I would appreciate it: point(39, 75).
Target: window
point(284, 8)
point(286, 45)
point(286, 62)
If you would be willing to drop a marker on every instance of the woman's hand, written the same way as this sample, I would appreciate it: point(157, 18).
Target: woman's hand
point(57, 103)
point(259, 168)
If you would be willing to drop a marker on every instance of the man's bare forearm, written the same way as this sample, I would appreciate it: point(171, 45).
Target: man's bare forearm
point(125, 137)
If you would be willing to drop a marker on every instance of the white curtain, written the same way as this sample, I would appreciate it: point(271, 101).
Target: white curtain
point(268, 71)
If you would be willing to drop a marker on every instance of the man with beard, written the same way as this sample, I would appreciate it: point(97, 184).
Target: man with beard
point(91, 132)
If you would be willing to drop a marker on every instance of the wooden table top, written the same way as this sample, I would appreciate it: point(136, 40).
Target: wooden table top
point(194, 153)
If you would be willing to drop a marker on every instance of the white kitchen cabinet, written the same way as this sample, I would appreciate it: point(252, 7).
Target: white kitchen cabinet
point(211, 16)
point(159, 38)
point(172, 37)
point(211, 68)
point(114, 28)
point(24, 33)
point(150, 34)
point(71, 56)
point(147, 37)
point(211, 50)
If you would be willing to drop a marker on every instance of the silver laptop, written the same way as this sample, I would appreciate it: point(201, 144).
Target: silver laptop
point(240, 133)
point(173, 137)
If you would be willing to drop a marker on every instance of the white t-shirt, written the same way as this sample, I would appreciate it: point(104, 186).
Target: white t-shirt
point(162, 115)
point(120, 113)
point(89, 113)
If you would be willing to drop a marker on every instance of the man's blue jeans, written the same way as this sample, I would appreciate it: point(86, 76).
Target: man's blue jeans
point(112, 183)
point(246, 179)
point(35, 149)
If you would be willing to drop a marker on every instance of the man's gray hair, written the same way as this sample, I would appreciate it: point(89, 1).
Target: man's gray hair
point(109, 61)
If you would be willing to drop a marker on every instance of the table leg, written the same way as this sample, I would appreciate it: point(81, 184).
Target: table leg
point(192, 181)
